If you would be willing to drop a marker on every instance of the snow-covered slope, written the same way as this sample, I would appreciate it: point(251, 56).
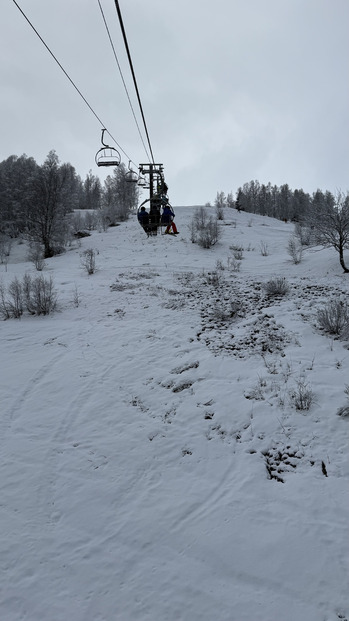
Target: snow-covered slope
point(153, 465)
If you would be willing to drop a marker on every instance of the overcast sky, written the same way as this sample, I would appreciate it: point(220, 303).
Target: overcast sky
point(232, 90)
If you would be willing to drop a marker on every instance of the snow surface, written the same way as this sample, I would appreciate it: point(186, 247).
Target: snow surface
point(153, 465)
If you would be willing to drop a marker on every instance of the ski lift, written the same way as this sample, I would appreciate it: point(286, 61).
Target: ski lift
point(151, 177)
point(107, 156)
point(149, 220)
point(142, 182)
point(131, 176)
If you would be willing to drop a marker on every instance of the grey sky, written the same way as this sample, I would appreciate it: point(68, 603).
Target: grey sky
point(232, 90)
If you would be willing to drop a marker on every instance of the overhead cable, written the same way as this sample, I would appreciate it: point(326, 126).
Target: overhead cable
point(133, 74)
point(122, 78)
point(70, 79)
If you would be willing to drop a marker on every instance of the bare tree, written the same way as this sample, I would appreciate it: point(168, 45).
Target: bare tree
point(220, 203)
point(46, 205)
point(120, 196)
point(14, 175)
point(329, 221)
point(295, 249)
point(204, 229)
point(91, 192)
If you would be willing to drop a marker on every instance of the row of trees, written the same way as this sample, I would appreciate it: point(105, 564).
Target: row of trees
point(35, 201)
point(322, 218)
point(275, 201)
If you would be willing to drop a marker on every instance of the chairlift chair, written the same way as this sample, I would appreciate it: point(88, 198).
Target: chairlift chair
point(131, 176)
point(107, 156)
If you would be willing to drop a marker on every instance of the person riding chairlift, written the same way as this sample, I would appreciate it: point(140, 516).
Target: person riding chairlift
point(167, 218)
point(143, 218)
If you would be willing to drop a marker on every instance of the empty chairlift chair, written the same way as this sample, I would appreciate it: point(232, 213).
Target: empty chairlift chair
point(107, 156)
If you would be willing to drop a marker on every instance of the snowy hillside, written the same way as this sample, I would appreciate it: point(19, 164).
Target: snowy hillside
point(154, 466)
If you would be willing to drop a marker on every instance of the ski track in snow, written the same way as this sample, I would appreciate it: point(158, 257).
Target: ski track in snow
point(136, 442)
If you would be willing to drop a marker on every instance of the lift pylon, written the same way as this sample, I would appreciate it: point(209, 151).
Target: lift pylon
point(157, 193)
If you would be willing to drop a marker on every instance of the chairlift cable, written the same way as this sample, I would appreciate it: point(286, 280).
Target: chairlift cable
point(133, 75)
point(122, 77)
point(69, 78)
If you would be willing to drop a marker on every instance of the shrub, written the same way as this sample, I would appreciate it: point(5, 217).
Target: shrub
point(214, 278)
point(234, 264)
point(276, 287)
point(302, 396)
point(334, 318)
point(344, 410)
point(76, 296)
point(209, 235)
point(222, 313)
point(88, 260)
point(91, 220)
point(43, 295)
point(36, 256)
point(15, 303)
point(219, 212)
point(37, 295)
point(26, 289)
point(237, 252)
point(204, 229)
point(264, 250)
point(4, 309)
point(81, 223)
point(304, 234)
point(295, 250)
point(193, 231)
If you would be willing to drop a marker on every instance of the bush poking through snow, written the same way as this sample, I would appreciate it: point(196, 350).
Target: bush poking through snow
point(222, 313)
point(295, 250)
point(233, 264)
point(302, 396)
point(88, 260)
point(344, 410)
point(208, 236)
point(36, 256)
point(277, 286)
point(41, 296)
point(214, 278)
point(4, 311)
point(15, 298)
point(304, 234)
point(334, 318)
point(264, 250)
point(237, 251)
point(204, 229)
point(11, 306)
point(76, 297)
point(36, 295)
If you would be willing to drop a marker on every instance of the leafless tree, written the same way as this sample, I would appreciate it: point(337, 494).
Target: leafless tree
point(46, 205)
point(329, 221)
point(120, 196)
point(204, 229)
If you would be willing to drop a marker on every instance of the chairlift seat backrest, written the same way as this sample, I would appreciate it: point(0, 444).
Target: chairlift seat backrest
point(131, 176)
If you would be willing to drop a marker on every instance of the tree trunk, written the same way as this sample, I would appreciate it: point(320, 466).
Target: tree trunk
point(341, 260)
point(48, 250)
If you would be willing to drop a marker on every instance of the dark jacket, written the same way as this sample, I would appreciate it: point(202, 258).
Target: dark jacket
point(167, 215)
point(143, 218)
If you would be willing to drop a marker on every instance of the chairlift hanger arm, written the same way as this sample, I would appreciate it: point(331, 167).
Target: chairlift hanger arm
point(106, 155)
point(102, 139)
